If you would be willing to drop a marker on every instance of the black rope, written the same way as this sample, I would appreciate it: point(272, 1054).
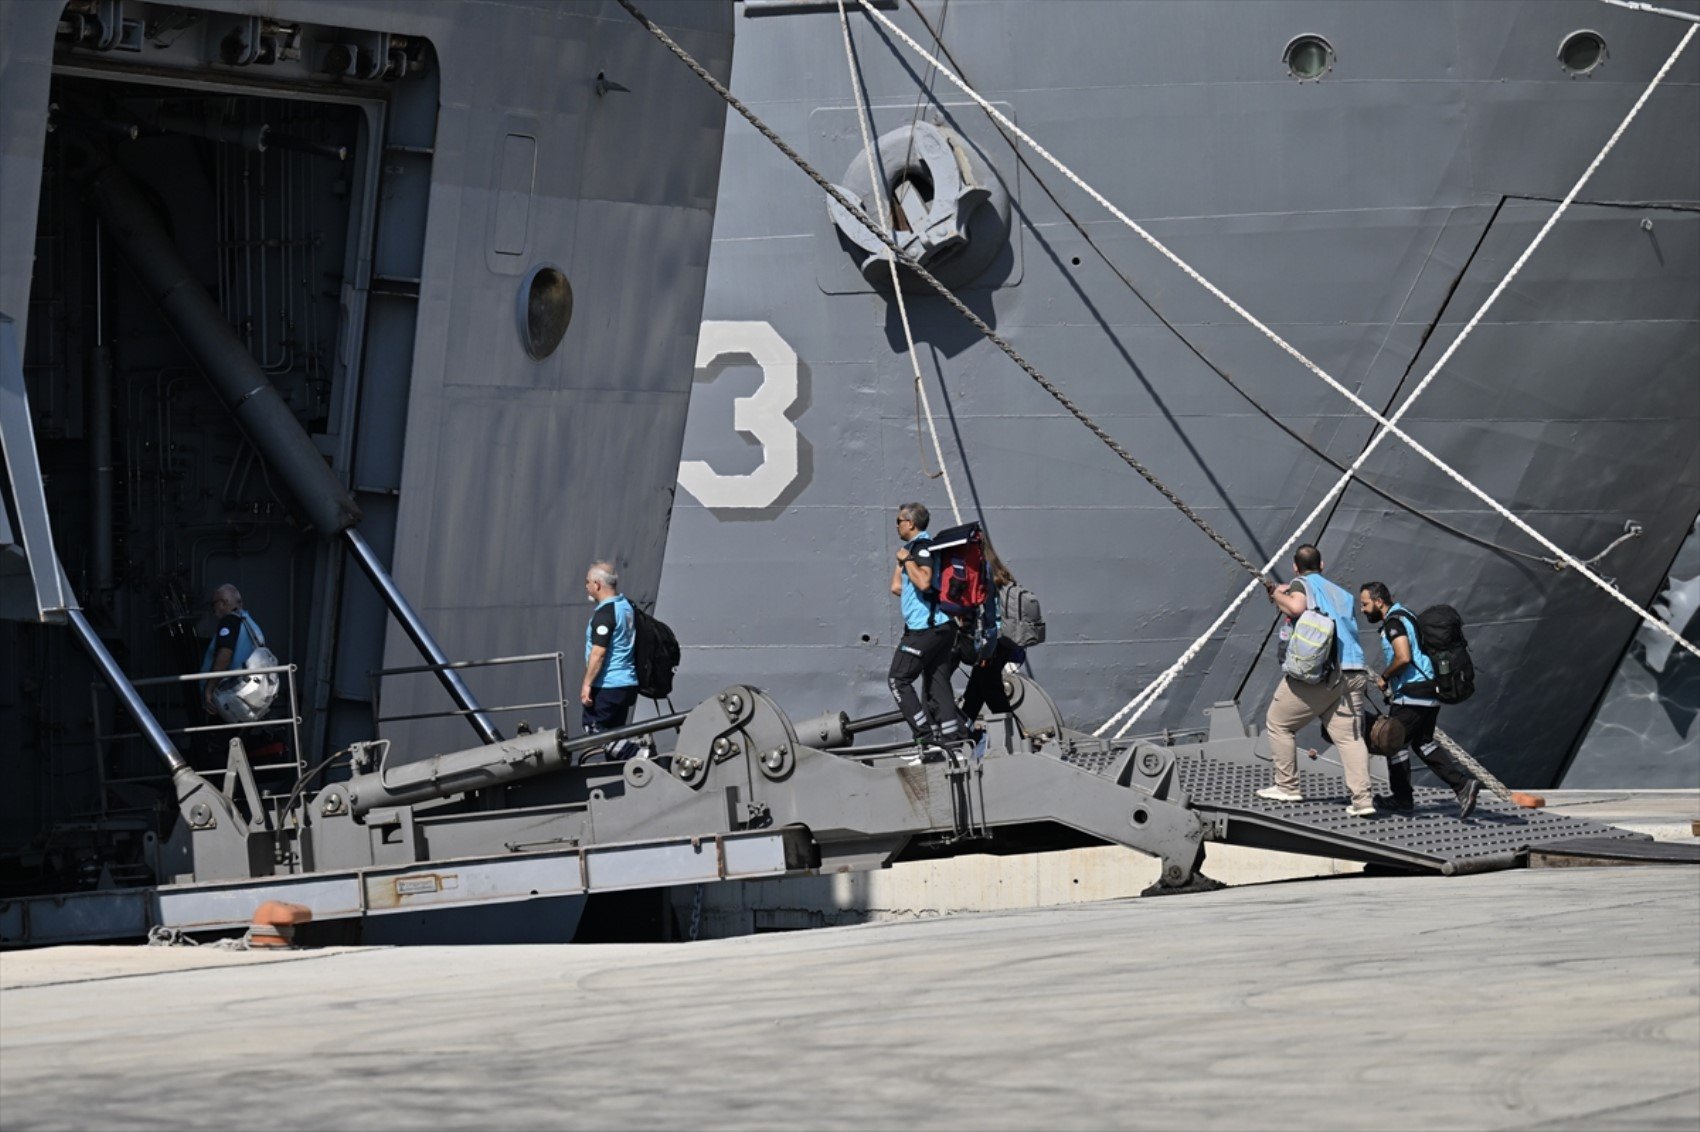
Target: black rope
point(944, 292)
point(1184, 340)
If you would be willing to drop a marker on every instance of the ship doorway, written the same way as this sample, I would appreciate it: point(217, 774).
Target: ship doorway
point(155, 494)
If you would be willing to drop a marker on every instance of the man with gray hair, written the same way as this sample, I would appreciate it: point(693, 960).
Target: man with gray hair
point(246, 695)
point(610, 688)
point(235, 637)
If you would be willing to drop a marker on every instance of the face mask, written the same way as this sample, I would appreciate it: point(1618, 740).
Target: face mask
point(1374, 616)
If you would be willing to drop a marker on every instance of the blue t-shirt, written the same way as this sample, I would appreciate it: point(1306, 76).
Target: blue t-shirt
point(918, 611)
point(613, 627)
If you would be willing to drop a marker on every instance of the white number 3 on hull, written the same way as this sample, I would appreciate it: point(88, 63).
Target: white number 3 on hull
point(761, 415)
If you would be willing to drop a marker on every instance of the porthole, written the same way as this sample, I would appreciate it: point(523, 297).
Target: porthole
point(1582, 51)
point(1308, 57)
point(545, 309)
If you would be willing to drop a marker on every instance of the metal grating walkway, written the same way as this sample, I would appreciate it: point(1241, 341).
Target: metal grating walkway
point(1498, 835)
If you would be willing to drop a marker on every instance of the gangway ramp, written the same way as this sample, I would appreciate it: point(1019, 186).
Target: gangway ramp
point(747, 793)
point(1432, 837)
point(1219, 778)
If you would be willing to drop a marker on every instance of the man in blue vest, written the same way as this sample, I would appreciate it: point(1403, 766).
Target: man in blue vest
point(928, 647)
point(1338, 701)
point(1407, 680)
point(610, 687)
point(235, 637)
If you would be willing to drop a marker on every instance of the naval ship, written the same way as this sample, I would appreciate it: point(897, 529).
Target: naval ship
point(390, 315)
point(383, 312)
point(1359, 176)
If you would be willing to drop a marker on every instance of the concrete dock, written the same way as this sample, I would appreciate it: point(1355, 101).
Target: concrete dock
point(979, 883)
point(1565, 998)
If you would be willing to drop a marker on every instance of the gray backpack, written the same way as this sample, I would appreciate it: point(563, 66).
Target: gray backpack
point(1023, 621)
point(1310, 649)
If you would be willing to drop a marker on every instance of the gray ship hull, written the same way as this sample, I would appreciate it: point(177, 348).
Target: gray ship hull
point(388, 271)
point(1365, 216)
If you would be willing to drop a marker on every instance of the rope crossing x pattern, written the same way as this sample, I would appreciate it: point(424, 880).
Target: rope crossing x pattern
point(944, 292)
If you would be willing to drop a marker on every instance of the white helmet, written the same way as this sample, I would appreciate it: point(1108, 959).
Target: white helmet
point(245, 699)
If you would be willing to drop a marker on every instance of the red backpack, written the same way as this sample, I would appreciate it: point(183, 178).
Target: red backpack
point(962, 581)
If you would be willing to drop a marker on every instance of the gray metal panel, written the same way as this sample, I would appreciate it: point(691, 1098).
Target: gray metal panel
point(23, 475)
point(26, 60)
point(1343, 212)
point(530, 469)
point(79, 918)
point(473, 882)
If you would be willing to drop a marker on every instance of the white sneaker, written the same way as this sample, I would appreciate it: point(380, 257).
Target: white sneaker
point(1357, 811)
point(1280, 794)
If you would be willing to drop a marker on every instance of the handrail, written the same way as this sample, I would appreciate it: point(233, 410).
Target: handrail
point(222, 674)
point(374, 676)
point(292, 720)
point(412, 668)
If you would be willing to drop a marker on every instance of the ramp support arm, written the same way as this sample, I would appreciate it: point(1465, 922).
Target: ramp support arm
point(252, 399)
point(126, 693)
point(420, 635)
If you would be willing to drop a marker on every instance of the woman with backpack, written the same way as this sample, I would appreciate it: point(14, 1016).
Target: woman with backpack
point(1021, 625)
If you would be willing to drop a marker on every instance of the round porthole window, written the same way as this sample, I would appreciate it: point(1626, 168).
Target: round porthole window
point(1308, 57)
point(545, 309)
point(1582, 51)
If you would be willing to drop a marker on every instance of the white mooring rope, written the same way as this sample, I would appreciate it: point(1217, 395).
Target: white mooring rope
point(877, 187)
point(1389, 425)
point(1635, 6)
point(1142, 702)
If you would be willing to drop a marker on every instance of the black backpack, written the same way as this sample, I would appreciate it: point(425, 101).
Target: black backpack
point(655, 655)
point(1440, 634)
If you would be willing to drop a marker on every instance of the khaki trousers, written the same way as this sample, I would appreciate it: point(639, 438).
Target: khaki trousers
point(1340, 707)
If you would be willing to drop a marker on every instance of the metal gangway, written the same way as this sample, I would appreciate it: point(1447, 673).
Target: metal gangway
point(744, 792)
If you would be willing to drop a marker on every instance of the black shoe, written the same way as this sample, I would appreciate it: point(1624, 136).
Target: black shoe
point(1395, 805)
point(1467, 798)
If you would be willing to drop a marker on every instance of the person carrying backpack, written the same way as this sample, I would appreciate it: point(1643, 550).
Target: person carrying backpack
point(1324, 677)
point(1021, 625)
point(928, 648)
point(610, 687)
point(1407, 680)
point(237, 644)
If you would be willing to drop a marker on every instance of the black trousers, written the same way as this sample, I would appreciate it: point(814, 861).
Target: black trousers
point(1419, 723)
point(929, 654)
point(985, 680)
point(609, 708)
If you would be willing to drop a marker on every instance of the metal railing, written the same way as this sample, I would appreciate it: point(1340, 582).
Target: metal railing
point(293, 720)
point(375, 678)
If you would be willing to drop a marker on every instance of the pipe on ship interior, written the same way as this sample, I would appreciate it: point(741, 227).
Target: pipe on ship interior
point(255, 402)
point(257, 405)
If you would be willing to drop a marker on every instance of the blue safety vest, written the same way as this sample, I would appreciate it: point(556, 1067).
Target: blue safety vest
point(1421, 667)
point(1337, 603)
point(247, 640)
